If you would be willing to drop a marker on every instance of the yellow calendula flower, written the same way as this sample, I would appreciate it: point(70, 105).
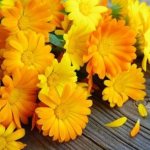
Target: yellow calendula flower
point(18, 97)
point(87, 12)
point(6, 4)
point(76, 44)
point(64, 116)
point(57, 75)
point(124, 85)
point(9, 138)
point(27, 50)
point(35, 15)
point(138, 20)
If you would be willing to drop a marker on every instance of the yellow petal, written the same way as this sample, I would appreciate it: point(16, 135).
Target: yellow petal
point(135, 129)
point(142, 110)
point(2, 130)
point(117, 123)
point(10, 129)
point(18, 134)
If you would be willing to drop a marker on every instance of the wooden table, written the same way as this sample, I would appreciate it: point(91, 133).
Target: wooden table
point(96, 136)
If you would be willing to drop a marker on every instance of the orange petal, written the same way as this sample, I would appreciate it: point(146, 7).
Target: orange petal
point(142, 110)
point(117, 123)
point(135, 129)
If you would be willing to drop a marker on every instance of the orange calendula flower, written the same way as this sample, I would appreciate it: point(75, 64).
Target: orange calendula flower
point(110, 49)
point(117, 123)
point(64, 116)
point(136, 129)
point(27, 50)
point(124, 85)
point(9, 138)
point(142, 110)
point(87, 12)
point(35, 16)
point(18, 97)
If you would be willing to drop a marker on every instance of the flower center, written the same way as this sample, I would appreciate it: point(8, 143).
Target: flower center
point(61, 111)
point(2, 143)
point(23, 23)
point(85, 8)
point(119, 86)
point(105, 46)
point(27, 58)
point(15, 96)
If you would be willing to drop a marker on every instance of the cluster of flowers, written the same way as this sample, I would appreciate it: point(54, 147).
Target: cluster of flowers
point(45, 44)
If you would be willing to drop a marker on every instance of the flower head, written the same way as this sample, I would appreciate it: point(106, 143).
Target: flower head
point(57, 75)
point(110, 48)
point(18, 97)
point(124, 85)
point(138, 20)
point(9, 137)
point(85, 11)
point(65, 115)
point(34, 16)
point(76, 44)
point(27, 50)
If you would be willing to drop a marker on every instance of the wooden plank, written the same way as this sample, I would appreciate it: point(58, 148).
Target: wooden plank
point(96, 136)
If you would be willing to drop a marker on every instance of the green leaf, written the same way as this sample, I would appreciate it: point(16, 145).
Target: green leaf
point(57, 40)
point(116, 11)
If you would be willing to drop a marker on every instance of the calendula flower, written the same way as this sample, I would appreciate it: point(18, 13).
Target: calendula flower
point(18, 97)
point(138, 20)
point(73, 47)
point(64, 116)
point(110, 48)
point(27, 50)
point(9, 137)
point(86, 12)
point(57, 75)
point(6, 4)
point(124, 85)
point(34, 16)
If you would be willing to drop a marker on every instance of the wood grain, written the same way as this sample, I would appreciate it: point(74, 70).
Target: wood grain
point(96, 136)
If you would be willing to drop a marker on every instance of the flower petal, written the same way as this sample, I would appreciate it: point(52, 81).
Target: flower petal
point(117, 123)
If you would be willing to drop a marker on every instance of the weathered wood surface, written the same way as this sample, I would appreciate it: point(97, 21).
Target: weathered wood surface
point(96, 136)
